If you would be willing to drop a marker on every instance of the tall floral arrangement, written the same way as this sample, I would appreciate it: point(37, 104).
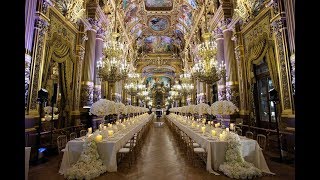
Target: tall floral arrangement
point(201, 108)
point(89, 165)
point(223, 108)
point(48, 110)
point(102, 107)
point(235, 166)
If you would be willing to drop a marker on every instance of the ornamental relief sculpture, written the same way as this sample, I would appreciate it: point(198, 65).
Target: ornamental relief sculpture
point(277, 27)
point(42, 26)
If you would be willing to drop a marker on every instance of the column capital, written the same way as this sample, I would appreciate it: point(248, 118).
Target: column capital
point(223, 24)
point(101, 33)
point(42, 25)
point(218, 33)
point(94, 24)
point(45, 5)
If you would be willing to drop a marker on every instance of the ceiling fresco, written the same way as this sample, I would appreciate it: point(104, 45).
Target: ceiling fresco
point(163, 5)
point(159, 27)
point(158, 23)
point(158, 44)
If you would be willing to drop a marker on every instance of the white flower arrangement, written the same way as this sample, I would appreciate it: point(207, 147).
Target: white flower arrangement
point(201, 108)
point(223, 108)
point(102, 107)
point(89, 166)
point(235, 166)
point(48, 110)
point(191, 109)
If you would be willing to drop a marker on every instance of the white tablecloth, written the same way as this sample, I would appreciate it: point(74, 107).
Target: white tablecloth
point(26, 161)
point(216, 149)
point(107, 149)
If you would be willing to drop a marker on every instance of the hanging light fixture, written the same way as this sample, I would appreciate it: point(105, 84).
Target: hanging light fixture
point(113, 66)
point(207, 68)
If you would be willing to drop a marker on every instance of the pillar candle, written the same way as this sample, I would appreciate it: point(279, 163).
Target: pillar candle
point(203, 129)
point(232, 126)
point(98, 138)
point(90, 130)
point(213, 133)
point(110, 133)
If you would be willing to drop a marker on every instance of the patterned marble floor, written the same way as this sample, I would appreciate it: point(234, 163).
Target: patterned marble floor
point(160, 159)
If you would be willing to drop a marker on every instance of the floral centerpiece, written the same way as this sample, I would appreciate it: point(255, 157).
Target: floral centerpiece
point(89, 165)
point(48, 113)
point(223, 108)
point(235, 166)
point(102, 107)
point(201, 108)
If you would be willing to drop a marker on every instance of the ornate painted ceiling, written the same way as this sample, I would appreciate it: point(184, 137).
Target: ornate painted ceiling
point(157, 28)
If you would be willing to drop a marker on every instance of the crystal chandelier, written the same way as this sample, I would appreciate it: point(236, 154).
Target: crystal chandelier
point(207, 69)
point(134, 84)
point(113, 66)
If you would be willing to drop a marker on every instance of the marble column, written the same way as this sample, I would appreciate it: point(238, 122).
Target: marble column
point(30, 9)
point(289, 6)
point(98, 56)
point(87, 84)
point(220, 58)
point(232, 85)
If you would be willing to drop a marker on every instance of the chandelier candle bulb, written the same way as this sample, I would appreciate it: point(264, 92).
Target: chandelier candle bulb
point(227, 129)
point(90, 130)
point(104, 127)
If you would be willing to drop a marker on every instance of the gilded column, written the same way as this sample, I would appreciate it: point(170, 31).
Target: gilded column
point(80, 58)
point(39, 39)
point(98, 56)
point(278, 26)
point(87, 84)
point(220, 58)
point(243, 94)
point(232, 85)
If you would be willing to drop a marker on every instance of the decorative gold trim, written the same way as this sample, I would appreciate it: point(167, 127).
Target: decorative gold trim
point(87, 83)
point(229, 83)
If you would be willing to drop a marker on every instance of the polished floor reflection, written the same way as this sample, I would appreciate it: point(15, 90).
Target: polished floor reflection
point(160, 159)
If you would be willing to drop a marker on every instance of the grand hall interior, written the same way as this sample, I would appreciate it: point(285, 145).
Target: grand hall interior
point(159, 89)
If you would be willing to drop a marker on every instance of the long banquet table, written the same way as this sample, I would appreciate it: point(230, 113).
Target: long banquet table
point(107, 149)
point(216, 149)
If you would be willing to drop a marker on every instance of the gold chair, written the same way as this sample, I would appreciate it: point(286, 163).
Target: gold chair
point(239, 131)
point(73, 135)
point(83, 132)
point(61, 143)
point(262, 140)
point(249, 134)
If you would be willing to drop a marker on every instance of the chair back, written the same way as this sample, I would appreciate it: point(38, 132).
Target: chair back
point(262, 140)
point(239, 131)
point(249, 134)
point(61, 142)
point(239, 121)
point(83, 132)
point(73, 135)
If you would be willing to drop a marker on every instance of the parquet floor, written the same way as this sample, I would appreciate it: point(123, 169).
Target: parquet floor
point(160, 159)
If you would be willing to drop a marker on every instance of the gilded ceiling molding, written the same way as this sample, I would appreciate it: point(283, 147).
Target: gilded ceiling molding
point(194, 26)
point(73, 10)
